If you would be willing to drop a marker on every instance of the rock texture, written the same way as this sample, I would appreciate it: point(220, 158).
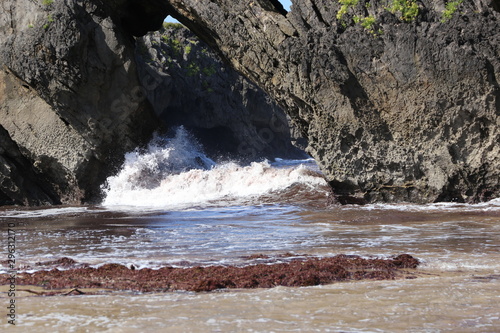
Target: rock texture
point(70, 97)
point(77, 91)
point(20, 182)
point(189, 85)
point(400, 109)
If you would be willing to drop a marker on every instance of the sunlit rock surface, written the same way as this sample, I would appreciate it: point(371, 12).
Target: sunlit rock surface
point(403, 109)
point(77, 92)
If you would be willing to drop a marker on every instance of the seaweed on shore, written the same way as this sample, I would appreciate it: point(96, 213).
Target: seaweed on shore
point(296, 273)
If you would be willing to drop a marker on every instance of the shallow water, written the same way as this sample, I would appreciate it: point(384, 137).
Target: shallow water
point(457, 289)
point(433, 304)
point(280, 208)
point(447, 237)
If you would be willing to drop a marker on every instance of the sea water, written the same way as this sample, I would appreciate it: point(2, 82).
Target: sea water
point(172, 205)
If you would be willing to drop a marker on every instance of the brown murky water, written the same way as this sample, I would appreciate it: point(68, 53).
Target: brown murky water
point(433, 304)
point(458, 288)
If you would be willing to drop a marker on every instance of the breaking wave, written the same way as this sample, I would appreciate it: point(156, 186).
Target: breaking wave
point(174, 173)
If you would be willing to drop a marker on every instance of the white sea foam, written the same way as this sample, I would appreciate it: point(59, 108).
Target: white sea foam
point(175, 173)
point(45, 212)
point(492, 205)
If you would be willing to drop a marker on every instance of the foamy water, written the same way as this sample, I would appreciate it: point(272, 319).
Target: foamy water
point(171, 205)
point(177, 175)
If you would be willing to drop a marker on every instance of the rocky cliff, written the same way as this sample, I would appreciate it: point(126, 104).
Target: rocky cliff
point(69, 91)
point(400, 100)
point(189, 85)
point(79, 88)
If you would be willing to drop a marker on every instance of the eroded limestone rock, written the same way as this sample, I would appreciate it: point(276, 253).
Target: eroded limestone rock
point(404, 110)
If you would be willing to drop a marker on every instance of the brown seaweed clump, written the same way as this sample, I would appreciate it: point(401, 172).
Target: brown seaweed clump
point(306, 272)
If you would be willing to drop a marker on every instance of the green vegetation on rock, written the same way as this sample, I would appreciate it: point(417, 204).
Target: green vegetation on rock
point(49, 21)
point(209, 71)
point(192, 69)
point(172, 25)
point(367, 22)
point(346, 4)
point(405, 10)
point(450, 9)
point(186, 52)
point(408, 9)
point(174, 44)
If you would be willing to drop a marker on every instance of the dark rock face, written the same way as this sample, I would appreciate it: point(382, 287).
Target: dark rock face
point(394, 107)
point(20, 182)
point(77, 91)
point(403, 109)
point(137, 16)
point(70, 99)
point(189, 85)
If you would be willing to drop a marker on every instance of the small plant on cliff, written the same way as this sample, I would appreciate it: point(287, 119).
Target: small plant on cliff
point(172, 25)
point(47, 2)
point(408, 9)
point(193, 69)
point(174, 44)
point(367, 22)
point(49, 21)
point(344, 8)
point(450, 9)
point(209, 71)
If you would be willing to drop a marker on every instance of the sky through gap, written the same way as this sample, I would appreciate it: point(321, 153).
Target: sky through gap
point(285, 3)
